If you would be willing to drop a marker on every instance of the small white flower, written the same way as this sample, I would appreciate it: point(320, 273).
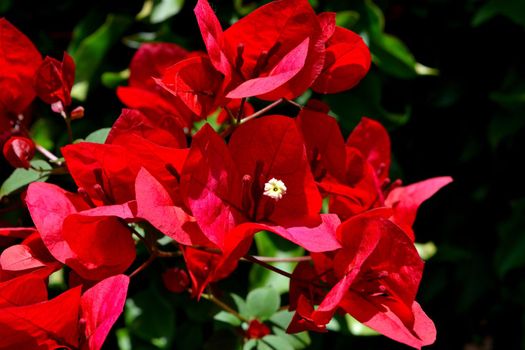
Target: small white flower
point(274, 189)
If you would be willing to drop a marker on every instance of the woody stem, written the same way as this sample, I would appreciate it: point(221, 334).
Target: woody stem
point(255, 260)
point(283, 259)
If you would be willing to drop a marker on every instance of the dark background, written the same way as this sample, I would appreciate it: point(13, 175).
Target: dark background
point(466, 122)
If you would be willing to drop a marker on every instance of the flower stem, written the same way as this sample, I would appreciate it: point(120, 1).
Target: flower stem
point(255, 260)
point(143, 266)
point(224, 306)
point(283, 259)
point(46, 153)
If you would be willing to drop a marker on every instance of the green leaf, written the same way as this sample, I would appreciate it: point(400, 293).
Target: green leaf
point(226, 317)
point(347, 19)
point(93, 49)
point(241, 305)
point(509, 254)
point(164, 9)
point(298, 340)
point(426, 250)
point(275, 342)
point(392, 56)
point(112, 80)
point(357, 328)
point(512, 9)
point(150, 317)
point(98, 136)
point(23, 177)
point(262, 303)
point(273, 245)
point(250, 344)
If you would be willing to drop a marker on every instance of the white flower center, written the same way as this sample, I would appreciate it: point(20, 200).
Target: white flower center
point(274, 189)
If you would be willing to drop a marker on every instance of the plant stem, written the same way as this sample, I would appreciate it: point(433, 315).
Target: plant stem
point(264, 110)
point(283, 259)
point(240, 113)
point(254, 260)
point(143, 266)
point(67, 119)
point(224, 306)
point(46, 153)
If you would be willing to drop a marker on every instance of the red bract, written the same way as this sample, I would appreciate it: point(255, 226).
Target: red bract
point(176, 280)
point(275, 51)
point(226, 186)
point(95, 247)
point(101, 306)
point(38, 324)
point(149, 62)
point(107, 172)
point(378, 272)
point(19, 60)
point(18, 151)
point(257, 330)
point(54, 81)
point(347, 61)
point(196, 83)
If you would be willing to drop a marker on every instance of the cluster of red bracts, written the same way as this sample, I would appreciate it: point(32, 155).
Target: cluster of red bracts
point(212, 195)
point(24, 75)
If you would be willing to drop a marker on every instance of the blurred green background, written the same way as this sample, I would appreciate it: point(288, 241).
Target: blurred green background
point(448, 82)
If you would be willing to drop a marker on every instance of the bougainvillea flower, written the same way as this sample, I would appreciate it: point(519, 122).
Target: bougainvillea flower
point(378, 271)
point(31, 254)
point(161, 131)
point(18, 151)
point(143, 93)
point(346, 62)
point(107, 172)
point(196, 82)
point(49, 324)
point(275, 51)
point(224, 185)
point(54, 81)
point(406, 200)
point(176, 280)
point(101, 306)
point(95, 247)
point(155, 205)
point(19, 60)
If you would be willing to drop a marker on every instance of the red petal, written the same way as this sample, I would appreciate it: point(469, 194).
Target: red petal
point(54, 80)
point(49, 206)
point(196, 82)
point(150, 61)
point(156, 106)
point(18, 258)
point(24, 290)
point(208, 182)
point(372, 140)
point(285, 23)
point(161, 131)
point(276, 142)
point(19, 60)
point(101, 306)
point(417, 332)
point(347, 62)
point(50, 324)
point(213, 37)
point(156, 206)
point(406, 200)
point(323, 138)
point(103, 246)
point(285, 70)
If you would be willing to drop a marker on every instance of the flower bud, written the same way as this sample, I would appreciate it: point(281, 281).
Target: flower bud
point(18, 151)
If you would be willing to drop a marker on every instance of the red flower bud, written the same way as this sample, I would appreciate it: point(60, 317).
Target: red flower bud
point(176, 280)
point(54, 81)
point(257, 330)
point(19, 151)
